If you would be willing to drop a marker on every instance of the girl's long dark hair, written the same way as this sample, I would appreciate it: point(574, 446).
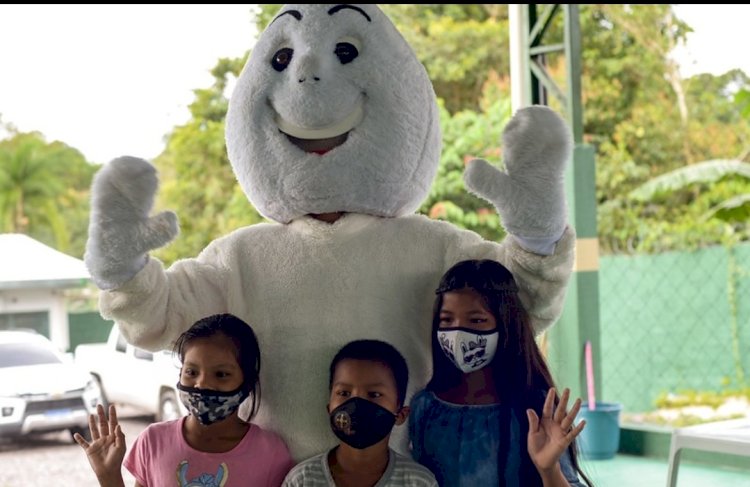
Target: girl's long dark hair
point(246, 348)
point(519, 370)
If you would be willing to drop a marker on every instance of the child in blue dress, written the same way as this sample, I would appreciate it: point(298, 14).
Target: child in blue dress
point(490, 415)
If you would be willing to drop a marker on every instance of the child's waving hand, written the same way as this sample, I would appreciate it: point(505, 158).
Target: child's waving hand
point(106, 450)
point(549, 438)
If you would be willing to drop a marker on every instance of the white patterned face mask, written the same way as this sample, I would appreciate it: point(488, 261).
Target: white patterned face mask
point(469, 350)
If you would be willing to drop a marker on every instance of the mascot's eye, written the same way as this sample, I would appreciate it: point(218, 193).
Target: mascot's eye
point(282, 58)
point(346, 52)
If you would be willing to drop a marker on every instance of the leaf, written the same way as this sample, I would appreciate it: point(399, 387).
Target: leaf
point(701, 173)
point(742, 99)
point(733, 210)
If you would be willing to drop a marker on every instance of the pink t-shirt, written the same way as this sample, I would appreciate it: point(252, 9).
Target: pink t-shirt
point(160, 457)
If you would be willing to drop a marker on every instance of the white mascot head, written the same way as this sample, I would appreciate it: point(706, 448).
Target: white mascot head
point(333, 113)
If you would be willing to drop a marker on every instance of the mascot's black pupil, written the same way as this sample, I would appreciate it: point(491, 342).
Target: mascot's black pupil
point(346, 52)
point(281, 59)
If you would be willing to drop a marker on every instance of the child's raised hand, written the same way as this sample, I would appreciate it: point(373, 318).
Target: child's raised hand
point(548, 438)
point(106, 450)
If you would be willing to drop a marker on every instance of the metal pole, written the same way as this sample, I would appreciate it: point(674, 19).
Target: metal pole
point(580, 319)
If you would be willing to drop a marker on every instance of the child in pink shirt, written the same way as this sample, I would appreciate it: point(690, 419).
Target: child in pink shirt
point(211, 446)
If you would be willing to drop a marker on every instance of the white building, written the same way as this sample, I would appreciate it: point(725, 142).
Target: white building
point(32, 279)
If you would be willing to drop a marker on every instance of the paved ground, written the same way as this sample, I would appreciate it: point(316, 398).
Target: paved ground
point(55, 459)
point(633, 471)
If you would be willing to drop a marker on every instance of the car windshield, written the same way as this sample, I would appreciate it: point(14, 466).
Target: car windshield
point(19, 354)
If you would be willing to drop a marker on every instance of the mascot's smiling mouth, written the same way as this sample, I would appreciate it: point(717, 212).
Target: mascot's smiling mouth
point(323, 139)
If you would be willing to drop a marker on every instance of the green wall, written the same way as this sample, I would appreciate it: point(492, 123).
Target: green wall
point(88, 327)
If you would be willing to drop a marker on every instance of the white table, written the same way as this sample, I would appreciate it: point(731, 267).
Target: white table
point(732, 436)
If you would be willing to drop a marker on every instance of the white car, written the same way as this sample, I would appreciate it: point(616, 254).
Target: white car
point(42, 390)
point(133, 377)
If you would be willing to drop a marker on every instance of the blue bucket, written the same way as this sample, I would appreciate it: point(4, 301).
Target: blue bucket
point(600, 438)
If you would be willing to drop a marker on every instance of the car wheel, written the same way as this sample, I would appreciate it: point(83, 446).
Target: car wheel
point(168, 407)
point(81, 431)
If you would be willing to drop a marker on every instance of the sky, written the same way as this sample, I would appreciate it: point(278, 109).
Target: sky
point(113, 80)
point(719, 41)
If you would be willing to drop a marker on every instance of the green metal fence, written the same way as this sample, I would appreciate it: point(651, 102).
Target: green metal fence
point(674, 322)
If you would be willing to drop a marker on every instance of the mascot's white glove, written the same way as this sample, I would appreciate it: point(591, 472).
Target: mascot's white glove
point(530, 196)
point(120, 230)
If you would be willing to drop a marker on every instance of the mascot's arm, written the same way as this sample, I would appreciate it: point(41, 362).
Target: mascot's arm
point(530, 198)
point(154, 307)
point(146, 301)
point(542, 279)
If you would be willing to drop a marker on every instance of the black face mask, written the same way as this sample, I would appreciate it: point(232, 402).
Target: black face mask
point(361, 423)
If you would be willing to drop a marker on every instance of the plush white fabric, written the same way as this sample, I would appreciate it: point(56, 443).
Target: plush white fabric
point(309, 287)
point(389, 159)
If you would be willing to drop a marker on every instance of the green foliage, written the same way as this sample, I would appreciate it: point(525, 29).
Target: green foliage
point(690, 207)
point(679, 409)
point(681, 420)
point(44, 191)
point(265, 15)
point(706, 173)
point(624, 62)
point(742, 99)
point(459, 45)
point(684, 221)
point(646, 121)
point(197, 178)
point(690, 398)
point(735, 209)
point(467, 135)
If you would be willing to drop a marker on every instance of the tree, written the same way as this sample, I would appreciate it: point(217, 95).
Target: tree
point(472, 42)
point(742, 99)
point(44, 191)
point(645, 121)
point(197, 177)
point(690, 207)
point(468, 134)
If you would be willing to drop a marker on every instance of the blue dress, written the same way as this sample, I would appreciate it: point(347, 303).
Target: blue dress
point(472, 445)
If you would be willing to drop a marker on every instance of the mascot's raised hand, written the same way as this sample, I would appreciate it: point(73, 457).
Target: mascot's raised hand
point(120, 229)
point(530, 195)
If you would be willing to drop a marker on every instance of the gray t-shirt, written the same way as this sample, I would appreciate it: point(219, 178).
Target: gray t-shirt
point(400, 472)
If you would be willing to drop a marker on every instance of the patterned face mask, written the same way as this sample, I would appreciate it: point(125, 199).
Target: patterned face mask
point(469, 350)
point(209, 406)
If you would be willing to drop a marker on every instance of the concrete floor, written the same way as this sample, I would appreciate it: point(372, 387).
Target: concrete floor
point(634, 471)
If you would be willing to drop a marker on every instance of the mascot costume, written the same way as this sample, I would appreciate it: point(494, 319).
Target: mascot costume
point(333, 133)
